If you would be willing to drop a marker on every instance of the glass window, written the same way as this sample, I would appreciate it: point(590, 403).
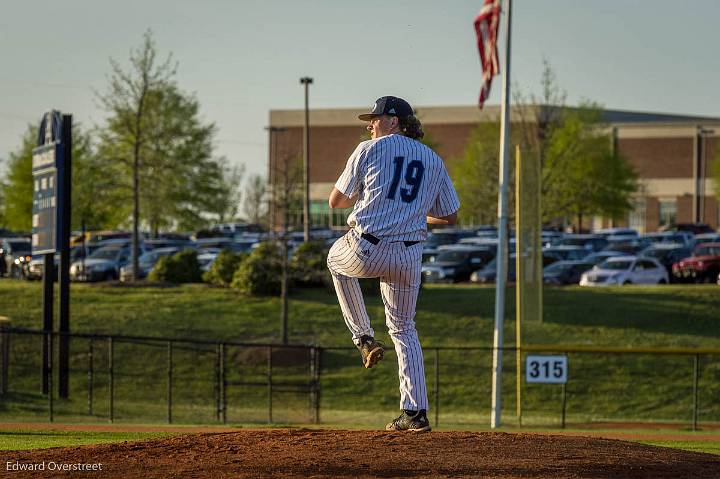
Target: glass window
point(636, 220)
point(668, 212)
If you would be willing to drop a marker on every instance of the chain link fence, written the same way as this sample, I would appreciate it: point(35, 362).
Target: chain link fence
point(153, 380)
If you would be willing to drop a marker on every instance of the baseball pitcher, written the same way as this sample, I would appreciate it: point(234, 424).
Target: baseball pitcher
point(397, 186)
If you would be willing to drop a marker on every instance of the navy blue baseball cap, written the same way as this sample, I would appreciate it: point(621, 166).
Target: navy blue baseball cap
point(388, 105)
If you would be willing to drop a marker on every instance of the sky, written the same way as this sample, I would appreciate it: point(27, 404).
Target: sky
point(242, 58)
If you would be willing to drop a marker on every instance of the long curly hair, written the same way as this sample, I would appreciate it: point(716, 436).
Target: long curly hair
point(411, 127)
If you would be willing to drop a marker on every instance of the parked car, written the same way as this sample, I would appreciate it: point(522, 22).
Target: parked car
point(625, 270)
point(591, 243)
point(103, 264)
point(456, 264)
point(158, 243)
point(628, 246)
point(566, 253)
point(704, 238)
point(602, 256)
point(440, 237)
point(146, 262)
point(694, 228)
point(565, 272)
point(667, 254)
point(702, 266)
point(607, 232)
point(15, 256)
point(678, 237)
point(37, 263)
point(207, 257)
point(489, 272)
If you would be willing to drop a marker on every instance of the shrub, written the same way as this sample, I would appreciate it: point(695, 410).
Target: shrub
point(182, 267)
point(308, 266)
point(261, 272)
point(223, 268)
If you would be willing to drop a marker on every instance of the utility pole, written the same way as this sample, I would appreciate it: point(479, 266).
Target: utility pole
point(307, 81)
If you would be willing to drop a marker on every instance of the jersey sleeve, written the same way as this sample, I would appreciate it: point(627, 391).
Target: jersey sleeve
point(350, 181)
point(447, 201)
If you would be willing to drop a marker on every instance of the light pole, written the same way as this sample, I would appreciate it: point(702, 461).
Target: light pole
point(307, 81)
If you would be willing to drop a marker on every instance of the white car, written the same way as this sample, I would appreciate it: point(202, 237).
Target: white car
point(626, 270)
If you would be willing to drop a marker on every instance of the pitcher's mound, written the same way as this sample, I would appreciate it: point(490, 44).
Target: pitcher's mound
point(337, 453)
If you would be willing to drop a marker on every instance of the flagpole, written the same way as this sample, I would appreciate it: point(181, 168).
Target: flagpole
point(502, 255)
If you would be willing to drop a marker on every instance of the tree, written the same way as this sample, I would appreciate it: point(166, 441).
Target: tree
point(92, 185)
point(581, 173)
point(255, 205)
point(18, 188)
point(163, 149)
point(95, 196)
point(228, 205)
point(475, 176)
point(125, 136)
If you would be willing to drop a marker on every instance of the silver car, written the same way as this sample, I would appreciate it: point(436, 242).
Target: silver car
point(103, 264)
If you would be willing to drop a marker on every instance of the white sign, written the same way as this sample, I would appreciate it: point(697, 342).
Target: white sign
point(546, 369)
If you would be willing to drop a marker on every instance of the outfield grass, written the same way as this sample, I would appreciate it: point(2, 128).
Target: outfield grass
point(638, 387)
point(13, 440)
point(694, 446)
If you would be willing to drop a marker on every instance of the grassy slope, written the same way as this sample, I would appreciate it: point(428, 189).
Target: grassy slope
point(640, 387)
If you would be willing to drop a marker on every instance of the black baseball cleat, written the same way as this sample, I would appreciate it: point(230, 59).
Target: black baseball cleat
point(371, 351)
point(416, 421)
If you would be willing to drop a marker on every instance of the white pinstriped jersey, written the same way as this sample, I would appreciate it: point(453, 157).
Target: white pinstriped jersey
point(398, 181)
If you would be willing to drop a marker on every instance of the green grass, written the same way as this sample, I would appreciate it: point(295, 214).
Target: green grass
point(601, 388)
point(13, 440)
point(711, 447)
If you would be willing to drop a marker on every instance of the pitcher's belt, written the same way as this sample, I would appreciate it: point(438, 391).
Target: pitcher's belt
point(375, 240)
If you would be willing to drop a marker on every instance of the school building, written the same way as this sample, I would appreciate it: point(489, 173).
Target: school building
point(671, 154)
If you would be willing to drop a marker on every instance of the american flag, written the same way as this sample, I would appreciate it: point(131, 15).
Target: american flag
point(486, 28)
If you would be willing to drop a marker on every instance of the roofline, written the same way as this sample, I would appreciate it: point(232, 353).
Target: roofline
point(464, 114)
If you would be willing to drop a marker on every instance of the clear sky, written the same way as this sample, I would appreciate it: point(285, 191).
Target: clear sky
point(243, 57)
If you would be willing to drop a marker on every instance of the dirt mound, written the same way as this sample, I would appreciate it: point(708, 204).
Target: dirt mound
point(337, 453)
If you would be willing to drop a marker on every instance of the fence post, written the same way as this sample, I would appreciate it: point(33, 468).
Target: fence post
point(437, 386)
point(316, 384)
point(169, 380)
point(269, 385)
point(223, 385)
point(216, 389)
point(91, 372)
point(50, 374)
point(564, 405)
point(5, 348)
point(111, 370)
point(696, 361)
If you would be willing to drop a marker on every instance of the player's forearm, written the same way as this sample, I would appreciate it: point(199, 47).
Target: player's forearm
point(339, 200)
point(442, 220)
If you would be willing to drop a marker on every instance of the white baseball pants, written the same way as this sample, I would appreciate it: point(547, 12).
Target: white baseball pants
point(399, 269)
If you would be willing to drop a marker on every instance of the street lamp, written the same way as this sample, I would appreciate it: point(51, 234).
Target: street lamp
point(307, 81)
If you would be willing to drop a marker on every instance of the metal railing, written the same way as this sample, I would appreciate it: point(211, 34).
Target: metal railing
point(151, 379)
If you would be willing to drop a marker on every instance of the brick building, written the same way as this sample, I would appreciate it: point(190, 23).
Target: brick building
point(672, 155)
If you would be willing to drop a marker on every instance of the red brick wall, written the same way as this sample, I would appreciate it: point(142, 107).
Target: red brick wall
point(684, 209)
point(659, 157)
